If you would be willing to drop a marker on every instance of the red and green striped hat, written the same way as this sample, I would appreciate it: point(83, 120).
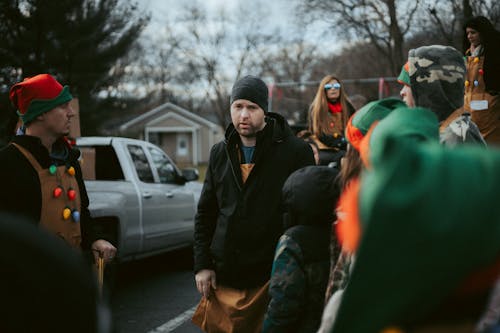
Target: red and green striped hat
point(37, 95)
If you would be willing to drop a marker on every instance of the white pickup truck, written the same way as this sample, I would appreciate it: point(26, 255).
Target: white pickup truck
point(144, 201)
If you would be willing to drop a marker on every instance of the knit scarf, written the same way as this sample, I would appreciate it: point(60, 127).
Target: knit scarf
point(335, 107)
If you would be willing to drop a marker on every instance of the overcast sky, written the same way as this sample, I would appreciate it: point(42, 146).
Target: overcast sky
point(276, 14)
point(280, 10)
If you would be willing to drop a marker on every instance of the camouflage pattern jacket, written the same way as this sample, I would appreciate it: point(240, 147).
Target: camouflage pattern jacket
point(298, 280)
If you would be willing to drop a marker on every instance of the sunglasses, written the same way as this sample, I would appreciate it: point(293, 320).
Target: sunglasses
point(329, 86)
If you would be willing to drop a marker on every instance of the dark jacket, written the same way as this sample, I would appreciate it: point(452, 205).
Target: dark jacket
point(302, 259)
point(238, 225)
point(20, 192)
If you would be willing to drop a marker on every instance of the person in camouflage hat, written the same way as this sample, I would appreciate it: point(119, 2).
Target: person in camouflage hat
point(436, 77)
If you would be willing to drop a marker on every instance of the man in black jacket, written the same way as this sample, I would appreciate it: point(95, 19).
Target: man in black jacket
point(39, 170)
point(239, 218)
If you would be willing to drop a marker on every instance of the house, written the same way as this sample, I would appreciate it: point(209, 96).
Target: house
point(183, 135)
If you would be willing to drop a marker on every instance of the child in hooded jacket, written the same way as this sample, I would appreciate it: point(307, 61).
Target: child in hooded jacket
point(302, 258)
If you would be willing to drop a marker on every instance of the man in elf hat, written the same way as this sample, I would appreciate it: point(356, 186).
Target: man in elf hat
point(39, 171)
point(434, 78)
point(239, 218)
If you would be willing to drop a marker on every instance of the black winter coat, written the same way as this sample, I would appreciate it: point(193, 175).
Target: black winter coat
point(20, 192)
point(237, 225)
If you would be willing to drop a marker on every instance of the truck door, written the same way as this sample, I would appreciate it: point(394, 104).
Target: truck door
point(153, 208)
point(176, 227)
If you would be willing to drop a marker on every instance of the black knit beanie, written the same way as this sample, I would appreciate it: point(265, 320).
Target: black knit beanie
point(252, 89)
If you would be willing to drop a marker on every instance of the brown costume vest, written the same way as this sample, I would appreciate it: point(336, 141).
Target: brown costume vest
point(54, 203)
point(487, 118)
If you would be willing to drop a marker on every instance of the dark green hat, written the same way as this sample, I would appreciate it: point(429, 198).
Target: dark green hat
point(404, 76)
point(361, 121)
point(430, 222)
point(411, 124)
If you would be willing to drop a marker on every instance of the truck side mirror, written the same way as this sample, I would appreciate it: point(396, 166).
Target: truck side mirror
point(190, 174)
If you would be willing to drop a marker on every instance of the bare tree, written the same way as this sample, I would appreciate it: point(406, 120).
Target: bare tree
point(290, 65)
point(446, 18)
point(382, 22)
point(215, 54)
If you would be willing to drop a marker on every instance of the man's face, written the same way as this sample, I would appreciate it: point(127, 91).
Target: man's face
point(58, 120)
point(248, 118)
point(407, 96)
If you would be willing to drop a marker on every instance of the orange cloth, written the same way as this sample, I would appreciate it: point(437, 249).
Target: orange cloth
point(245, 171)
point(348, 225)
point(231, 310)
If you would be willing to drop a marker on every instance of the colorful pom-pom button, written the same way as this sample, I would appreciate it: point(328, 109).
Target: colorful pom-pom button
point(481, 72)
point(71, 194)
point(336, 135)
point(75, 215)
point(476, 83)
point(57, 192)
point(332, 124)
point(476, 60)
point(52, 169)
point(66, 213)
point(71, 171)
point(467, 83)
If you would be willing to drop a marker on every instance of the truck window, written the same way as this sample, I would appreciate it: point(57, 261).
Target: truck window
point(166, 169)
point(141, 163)
point(100, 163)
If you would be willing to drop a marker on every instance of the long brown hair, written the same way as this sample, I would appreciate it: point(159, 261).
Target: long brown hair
point(318, 111)
point(350, 168)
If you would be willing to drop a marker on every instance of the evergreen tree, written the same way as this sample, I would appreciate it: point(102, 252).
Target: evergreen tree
point(78, 41)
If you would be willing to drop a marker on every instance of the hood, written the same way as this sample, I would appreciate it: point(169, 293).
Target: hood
point(276, 124)
point(310, 195)
point(437, 76)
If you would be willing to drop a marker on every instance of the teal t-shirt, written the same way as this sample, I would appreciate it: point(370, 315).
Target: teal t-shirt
point(247, 154)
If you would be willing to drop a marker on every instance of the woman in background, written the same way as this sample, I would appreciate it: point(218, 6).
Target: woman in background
point(328, 115)
point(482, 85)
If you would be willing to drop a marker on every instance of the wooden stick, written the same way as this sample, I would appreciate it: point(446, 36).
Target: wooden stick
point(100, 273)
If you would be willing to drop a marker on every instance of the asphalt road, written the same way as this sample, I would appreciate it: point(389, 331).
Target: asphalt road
point(155, 295)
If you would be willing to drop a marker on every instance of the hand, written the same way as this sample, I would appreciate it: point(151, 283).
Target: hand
point(103, 249)
point(204, 280)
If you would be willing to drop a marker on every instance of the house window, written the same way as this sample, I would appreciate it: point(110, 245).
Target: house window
point(154, 138)
point(182, 144)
